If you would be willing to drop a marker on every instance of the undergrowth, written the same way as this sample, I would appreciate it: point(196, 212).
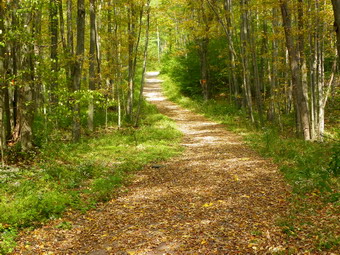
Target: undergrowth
point(77, 176)
point(311, 168)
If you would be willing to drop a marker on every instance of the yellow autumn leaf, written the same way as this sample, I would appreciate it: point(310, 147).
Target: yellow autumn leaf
point(208, 204)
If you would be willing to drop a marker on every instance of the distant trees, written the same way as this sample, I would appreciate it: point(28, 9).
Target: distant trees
point(61, 68)
point(278, 57)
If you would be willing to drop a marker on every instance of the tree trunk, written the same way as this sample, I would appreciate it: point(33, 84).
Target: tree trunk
point(118, 65)
point(26, 105)
point(300, 99)
point(2, 128)
point(245, 60)
point(78, 65)
point(14, 55)
point(54, 48)
point(204, 68)
point(336, 9)
point(23, 103)
point(301, 54)
point(62, 26)
point(144, 64)
point(131, 44)
point(70, 45)
point(159, 45)
point(258, 94)
point(92, 64)
point(320, 77)
point(232, 53)
point(4, 62)
point(273, 74)
point(3, 82)
point(205, 19)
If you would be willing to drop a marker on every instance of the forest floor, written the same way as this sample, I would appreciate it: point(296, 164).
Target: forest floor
point(218, 197)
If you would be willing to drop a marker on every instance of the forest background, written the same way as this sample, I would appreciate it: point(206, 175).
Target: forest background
point(72, 76)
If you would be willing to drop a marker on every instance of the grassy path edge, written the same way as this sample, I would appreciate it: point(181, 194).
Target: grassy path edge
point(68, 176)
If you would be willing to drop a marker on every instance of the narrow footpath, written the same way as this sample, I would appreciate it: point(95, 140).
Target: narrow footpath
point(218, 197)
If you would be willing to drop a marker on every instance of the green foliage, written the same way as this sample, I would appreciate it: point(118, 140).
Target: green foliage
point(56, 124)
point(334, 165)
point(30, 204)
point(7, 239)
point(64, 225)
point(327, 242)
point(307, 166)
point(103, 186)
point(304, 163)
point(184, 69)
point(219, 110)
point(71, 175)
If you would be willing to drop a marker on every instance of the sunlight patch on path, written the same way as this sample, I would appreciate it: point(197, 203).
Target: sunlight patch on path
point(152, 73)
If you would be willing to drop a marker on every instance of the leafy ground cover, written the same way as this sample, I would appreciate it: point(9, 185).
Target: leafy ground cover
point(312, 169)
point(68, 176)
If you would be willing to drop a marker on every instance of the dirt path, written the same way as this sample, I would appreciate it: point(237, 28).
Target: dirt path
point(219, 197)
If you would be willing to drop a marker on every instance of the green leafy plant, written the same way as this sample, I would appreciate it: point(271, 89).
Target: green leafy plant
point(334, 165)
point(7, 239)
point(65, 225)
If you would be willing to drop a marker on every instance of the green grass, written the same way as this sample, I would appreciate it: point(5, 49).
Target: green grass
point(312, 169)
point(68, 175)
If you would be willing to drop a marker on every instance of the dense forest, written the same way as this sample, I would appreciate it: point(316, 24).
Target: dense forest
point(272, 58)
point(62, 62)
point(73, 70)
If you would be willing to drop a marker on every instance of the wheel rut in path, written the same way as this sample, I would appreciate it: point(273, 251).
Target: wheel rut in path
point(219, 197)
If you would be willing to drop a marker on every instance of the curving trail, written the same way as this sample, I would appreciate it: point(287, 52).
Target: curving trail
point(219, 197)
